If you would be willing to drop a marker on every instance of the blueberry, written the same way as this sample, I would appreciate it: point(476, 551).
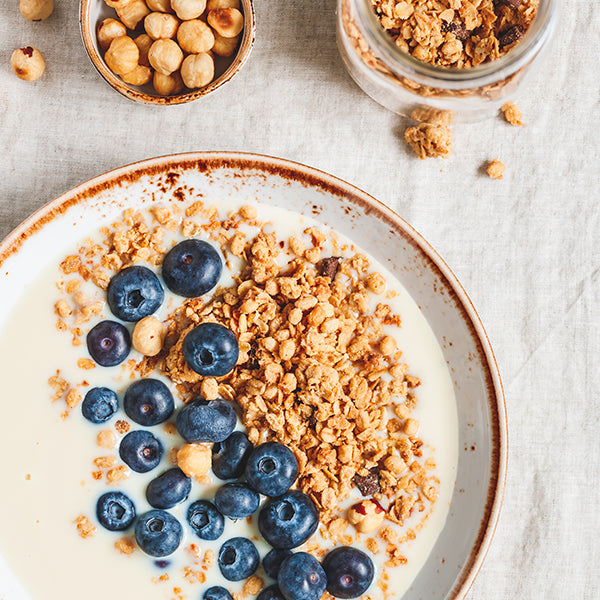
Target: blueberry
point(211, 350)
point(169, 489)
point(206, 521)
point(229, 457)
point(272, 468)
point(238, 559)
point(158, 533)
point(216, 592)
point(115, 511)
point(270, 593)
point(140, 451)
point(302, 577)
point(272, 561)
point(288, 521)
point(349, 572)
point(109, 343)
point(201, 421)
point(237, 500)
point(134, 293)
point(99, 405)
point(192, 268)
point(148, 402)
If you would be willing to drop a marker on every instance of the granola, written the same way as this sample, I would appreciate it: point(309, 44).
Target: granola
point(456, 33)
point(319, 369)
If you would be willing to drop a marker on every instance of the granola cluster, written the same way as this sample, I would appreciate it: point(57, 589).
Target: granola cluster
point(318, 370)
point(456, 33)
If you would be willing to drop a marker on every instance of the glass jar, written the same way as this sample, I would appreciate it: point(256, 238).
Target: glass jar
point(401, 83)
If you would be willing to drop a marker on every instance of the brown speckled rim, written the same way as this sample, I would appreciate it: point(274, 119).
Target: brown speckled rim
point(88, 35)
point(265, 166)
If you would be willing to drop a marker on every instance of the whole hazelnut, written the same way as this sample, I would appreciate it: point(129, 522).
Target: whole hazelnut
point(225, 46)
point(36, 10)
point(197, 70)
point(159, 5)
point(27, 63)
point(143, 42)
point(212, 4)
point(140, 76)
point(167, 85)
point(149, 333)
point(227, 22)
point(366, 515)
point(161, 25)
point(188, 9)
point(122, 55)
point(165, 56)
point(132, 12)
point(109, 30)
point(195, 37)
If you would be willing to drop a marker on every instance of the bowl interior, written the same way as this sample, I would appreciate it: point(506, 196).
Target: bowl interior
point(474, 509)
point(93, 12)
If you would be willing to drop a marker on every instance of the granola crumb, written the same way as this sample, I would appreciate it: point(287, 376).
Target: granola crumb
point(85, 527)
point(495, 169)
point(118, 474)
point(106, 439)
point(430, 141)
point(512, 114)
point(122, 426)
point(125, 545)
point(252, 586)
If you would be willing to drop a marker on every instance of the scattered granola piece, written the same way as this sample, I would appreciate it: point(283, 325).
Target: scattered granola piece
point(252, 586)
point(73, 398)
point(429, 140)
point(125, 545)
point(512, 114)
point(122, 426)
point(85, 527)
point(107, 439)
point(118, 474)
point(86, 363)
point(496, 169)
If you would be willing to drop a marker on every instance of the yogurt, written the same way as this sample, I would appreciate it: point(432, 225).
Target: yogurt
point(47, 479)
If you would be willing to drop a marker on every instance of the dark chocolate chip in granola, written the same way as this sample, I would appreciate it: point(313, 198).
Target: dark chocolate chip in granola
point(328, 267)
point(510, 3)
point(460, 33)
point(369, 484)
point(510, 36)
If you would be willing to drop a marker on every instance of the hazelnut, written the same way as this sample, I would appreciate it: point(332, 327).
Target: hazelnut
point(366, 516)
point(197, 70)
point(36, 10)
point(122, 55)
point(159, 5)
point(213, 4)
point(27, 63)
point(195, 37)
point(161, 25)
point(167, 85)
point(194, 459)
point(143, 42)
point(225, 46)
point(165, 56)
point(149, 333)
point(132, 12)
point(141, 75)
point(188, 9)
point(227, 22)
point(109, 30)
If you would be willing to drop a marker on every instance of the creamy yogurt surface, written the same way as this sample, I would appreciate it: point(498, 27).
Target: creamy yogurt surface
point(47, 481)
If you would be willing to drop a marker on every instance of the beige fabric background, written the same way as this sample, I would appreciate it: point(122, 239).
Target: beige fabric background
point(525, 248)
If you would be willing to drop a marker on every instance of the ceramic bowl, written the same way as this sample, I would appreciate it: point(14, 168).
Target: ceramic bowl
point(93, 12)
point(475, 504)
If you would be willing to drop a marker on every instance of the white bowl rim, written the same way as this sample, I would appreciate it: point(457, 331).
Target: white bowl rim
point(312, 177)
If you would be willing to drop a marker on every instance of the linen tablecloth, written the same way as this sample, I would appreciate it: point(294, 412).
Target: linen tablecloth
point(525, 248)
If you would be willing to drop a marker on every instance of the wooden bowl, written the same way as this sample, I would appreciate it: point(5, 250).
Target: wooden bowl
point(93, 12)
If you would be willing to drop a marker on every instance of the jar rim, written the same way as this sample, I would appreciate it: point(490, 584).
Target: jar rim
point(397, 59)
